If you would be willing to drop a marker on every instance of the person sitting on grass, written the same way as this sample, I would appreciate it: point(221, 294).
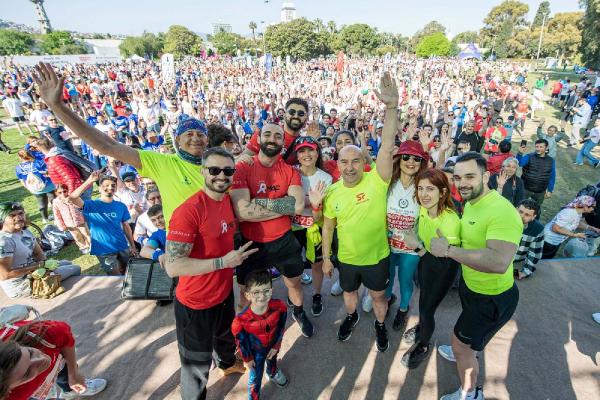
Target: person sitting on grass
point(155, 245)
point(258, 332)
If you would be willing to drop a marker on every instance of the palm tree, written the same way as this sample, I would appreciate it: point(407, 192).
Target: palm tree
point(331, 26)
point(319, 25)
point(252, 25)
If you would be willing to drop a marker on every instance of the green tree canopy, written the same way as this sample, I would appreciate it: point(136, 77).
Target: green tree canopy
point(435, 44)
point(466, 37)
point(14, 42)
point(228, 43)
point(298, 39)
point(148, 45)
point(502, 23)
point(180, 41)
point(359, 39)
point(590, 40)
point(53, 42)
point(543, 11)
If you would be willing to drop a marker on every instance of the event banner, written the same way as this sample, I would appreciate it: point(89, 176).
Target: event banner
point(61, 59)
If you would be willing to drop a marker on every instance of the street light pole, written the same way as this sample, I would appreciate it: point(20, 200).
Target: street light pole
point(541, 37)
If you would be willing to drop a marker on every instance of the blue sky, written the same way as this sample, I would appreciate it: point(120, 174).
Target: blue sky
point(133, 17)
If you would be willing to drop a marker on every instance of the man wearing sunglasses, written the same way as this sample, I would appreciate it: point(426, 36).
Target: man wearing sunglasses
point(295, 117)
point(493, 136)
point(356, 205)
point(265, 194)
point(200, 251)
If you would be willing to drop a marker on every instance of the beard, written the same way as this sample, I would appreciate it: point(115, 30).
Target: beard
point(270, 151)
point(294, 123)
point(217, 187)
point(475, 192)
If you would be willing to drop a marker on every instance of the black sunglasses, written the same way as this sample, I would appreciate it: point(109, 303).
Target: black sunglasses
point(214, 171)
point(407, 157)
point(293, 112)
point(305, 139)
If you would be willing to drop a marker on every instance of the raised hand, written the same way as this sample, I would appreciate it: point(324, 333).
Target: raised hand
point(49, 84)
point(502, 178)
point(388, 91)
point(316, 194)
point(445, 140)
point(424, 138)
point(312, 129)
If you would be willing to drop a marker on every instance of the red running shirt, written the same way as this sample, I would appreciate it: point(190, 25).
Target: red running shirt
point(210, 226)
point(266, 183)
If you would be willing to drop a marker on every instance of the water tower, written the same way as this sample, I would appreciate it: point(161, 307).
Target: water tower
point(288, 12)
point(42, 16)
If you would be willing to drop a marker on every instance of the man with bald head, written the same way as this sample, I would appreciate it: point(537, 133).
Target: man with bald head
point(265, 193)
point(356, 206)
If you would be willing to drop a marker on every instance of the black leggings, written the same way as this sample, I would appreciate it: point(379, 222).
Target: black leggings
point(549, 250)
point(436, 276)
point(43, 199)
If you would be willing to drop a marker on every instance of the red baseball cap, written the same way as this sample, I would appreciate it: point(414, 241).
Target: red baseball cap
point(306, 141)
point(412, 147)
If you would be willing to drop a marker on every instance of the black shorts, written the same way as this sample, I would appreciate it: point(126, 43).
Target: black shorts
point(284, 253)
point(555, 95)
point(300, 235)
point(374, 277)
point(18, 119)
point(483, 315)
point(563, 97)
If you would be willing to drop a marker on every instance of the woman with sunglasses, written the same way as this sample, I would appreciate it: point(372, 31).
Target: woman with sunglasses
point(70, 218)
point(437, 215)
point(21, 254)
point(402, 213)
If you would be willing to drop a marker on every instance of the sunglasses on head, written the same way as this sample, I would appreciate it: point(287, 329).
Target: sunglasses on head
point(407, 157)
point(305, 139)
point(293, 112)
point(214, 171)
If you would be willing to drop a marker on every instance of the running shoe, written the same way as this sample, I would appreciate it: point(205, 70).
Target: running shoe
point(347, 326)
point(305, 279)
point(410, 335)
point(445, 351)
point(317, 305)
point(336, 289)
point(93, 387)
point(367, 303)
point(596, 317)
point(306, 326)
point(457, 395)
point(279, 379)
point(237, 368)
point(381, 337)
point(400, 320)
point(415, 355)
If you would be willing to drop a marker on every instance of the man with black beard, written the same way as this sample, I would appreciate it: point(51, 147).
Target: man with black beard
point(294, 119)
point(265, 193)
point(490, 234)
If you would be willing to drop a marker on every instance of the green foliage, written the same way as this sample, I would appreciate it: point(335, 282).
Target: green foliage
point(148, 45)
point(75, 48)
point(298, 39)
point(435, 44)
point(54, 41)
point(360, 39)
point(428, 29)
point(590, 40)
point(180, 41)
point(14, 42)
point(503, 22)
point(229, 43)
point(564, 35)
point(466, 37)
point(542, 11)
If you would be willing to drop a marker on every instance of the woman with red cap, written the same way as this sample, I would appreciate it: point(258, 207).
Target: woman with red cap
point(402, 213)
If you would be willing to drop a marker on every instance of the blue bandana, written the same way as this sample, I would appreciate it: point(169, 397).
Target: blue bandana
point(190, 123)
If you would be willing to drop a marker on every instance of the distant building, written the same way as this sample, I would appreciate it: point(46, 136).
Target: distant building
point(221, 27)
point(288, 12)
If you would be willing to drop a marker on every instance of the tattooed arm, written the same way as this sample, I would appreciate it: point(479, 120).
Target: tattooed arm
point(260, 209)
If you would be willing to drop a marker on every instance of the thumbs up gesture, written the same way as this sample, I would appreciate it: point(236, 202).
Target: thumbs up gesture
point(439, 245)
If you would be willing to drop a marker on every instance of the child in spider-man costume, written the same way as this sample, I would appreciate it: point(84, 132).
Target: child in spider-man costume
point(258, 331)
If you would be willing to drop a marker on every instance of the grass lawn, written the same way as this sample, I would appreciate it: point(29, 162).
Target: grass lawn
point(570, 178)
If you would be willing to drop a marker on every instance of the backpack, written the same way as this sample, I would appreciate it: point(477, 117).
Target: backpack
point(34, 183)
point(85, 167)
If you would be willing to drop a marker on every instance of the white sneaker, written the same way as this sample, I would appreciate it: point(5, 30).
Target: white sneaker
point(458, 395)
point(596, 317)
point(367, 303)
point(445, 351)
point(336, 289)
point(305, 279)
point(279, 378)
point(94, 386)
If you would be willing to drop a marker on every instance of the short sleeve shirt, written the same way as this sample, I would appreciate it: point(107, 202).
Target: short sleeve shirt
point(210, 226)
point(19, 246)
point(176, 179)
point(491, 218)
point(360, 213)
point(266, 183)
point(105, 223)
point(306, 220)
point(566, 218)
point(447, 222)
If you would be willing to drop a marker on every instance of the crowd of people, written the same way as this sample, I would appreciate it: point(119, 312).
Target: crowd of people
point(384, 169)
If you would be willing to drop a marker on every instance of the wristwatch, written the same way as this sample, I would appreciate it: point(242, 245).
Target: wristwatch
point(418, 249)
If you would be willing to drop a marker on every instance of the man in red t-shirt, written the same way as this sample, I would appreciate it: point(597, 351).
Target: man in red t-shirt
point(493, 136)
point(265, 194)
point(295, 117)
point(200, 251)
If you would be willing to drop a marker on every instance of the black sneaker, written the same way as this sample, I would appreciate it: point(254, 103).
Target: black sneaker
point(391, 301)
point(410, 335)
point(317, 305)
point(306, 326)
point(400, 320)
point(381, 337)
point(347, 326)
point(415, 355)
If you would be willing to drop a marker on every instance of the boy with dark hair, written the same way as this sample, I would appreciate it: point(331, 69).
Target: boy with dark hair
point(530, 248)
point(156, 243)
point(258, 332)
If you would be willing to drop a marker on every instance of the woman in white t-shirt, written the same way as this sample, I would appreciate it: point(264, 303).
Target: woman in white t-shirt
point(306, 226)
point(564, 224)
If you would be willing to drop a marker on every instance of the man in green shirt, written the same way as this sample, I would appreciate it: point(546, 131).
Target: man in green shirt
point(490, 234)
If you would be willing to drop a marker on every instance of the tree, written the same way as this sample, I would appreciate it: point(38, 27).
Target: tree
point(14, 42)
point(332, 26)
point(466, 37)
point(428, 29)
point(319, 25)
point(435, 44)
point(502, 23)
point(590, 39)
point(564, 35)
point(180, 41)
point(359, 39)
point(53, 41)
point(298, 39)
point(228, 43)
point(252, 25)
point(543, 12)
point(148, 45)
